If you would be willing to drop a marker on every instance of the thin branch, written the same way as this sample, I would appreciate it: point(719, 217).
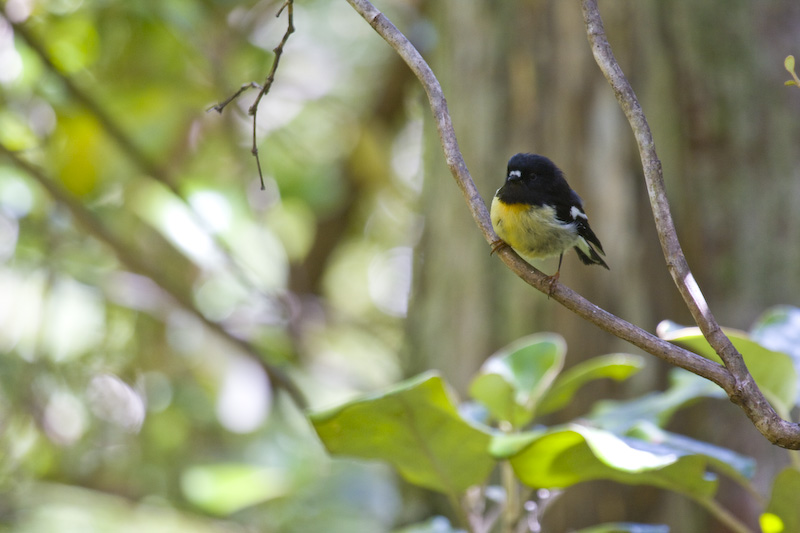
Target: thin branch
point(221, 106)
point(744, 391)
point(135, 262)
point(288, 5)
point(741, 389)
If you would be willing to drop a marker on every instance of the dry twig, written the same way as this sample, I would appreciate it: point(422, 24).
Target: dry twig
point(288, 5)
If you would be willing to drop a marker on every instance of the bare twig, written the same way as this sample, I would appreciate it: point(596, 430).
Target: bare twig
point(221, 106)
point(741, 388)
point(135, 262)
point(288, 5)
point(743, 391)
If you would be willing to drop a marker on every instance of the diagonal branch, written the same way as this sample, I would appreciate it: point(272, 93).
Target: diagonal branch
point(739, 387)
point(744, 391)
point(135, 262)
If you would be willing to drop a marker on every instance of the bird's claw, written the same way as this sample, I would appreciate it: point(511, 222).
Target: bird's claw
point(497, 245)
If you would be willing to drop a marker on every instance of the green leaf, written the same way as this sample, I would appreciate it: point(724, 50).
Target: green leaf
point(513, 380)
point(734, 465)
point(222, 489)
point(566, 456)
point(617, 366)
point(783, 513)
point(508, 445)
point(790, 82)
point(774, 372)
point(625, 527)
point(789, 64)
point(656, 407)
point(779, 329)
point(415, 427)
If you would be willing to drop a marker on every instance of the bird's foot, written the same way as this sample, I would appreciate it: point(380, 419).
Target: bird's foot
point(497, 245)
point(553, 281)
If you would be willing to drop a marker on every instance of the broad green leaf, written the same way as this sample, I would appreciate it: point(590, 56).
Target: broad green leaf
point(789, 63)
point(626, 527)
point(783, 512)
point(566, 456)
point(513, 380)
point(510, 444)
point(656, 407)
point(618, 366)
point(222, 489)
point(734, 465)
point(774, 372)
point(415, 427)
point(779, 329)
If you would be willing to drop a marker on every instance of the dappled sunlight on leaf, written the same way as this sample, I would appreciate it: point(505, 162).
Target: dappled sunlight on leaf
point(565, 456)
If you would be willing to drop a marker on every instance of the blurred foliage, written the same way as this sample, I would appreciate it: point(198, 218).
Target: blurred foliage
point(120, 409)
point(148, 286)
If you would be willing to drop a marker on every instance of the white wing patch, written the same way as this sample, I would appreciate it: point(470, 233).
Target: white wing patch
point(575, 212)
point(515, 174)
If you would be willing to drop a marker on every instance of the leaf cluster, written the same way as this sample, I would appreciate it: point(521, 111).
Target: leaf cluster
point(436, 442)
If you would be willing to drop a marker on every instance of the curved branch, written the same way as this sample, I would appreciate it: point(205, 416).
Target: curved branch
point(743, 391)
point(740, 387)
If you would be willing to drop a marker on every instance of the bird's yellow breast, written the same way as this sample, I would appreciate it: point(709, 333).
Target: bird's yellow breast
point(533, 231)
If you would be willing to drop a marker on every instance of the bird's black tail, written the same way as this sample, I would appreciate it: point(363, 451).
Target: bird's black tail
point(592, 259)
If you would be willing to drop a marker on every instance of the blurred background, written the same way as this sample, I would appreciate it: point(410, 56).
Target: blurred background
point(145, 277)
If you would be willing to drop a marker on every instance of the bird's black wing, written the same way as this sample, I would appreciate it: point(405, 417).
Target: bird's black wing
point(571, 211)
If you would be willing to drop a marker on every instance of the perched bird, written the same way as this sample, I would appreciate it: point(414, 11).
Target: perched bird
point(539, 215)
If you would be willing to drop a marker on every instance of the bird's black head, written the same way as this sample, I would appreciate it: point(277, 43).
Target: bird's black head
point(532, 167)
point(533, 179)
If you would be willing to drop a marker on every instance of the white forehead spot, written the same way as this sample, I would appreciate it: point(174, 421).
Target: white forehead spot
point(575, 212)
point(515, 174)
